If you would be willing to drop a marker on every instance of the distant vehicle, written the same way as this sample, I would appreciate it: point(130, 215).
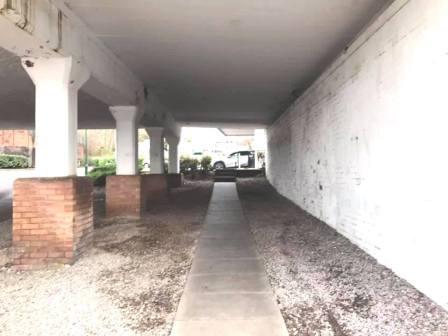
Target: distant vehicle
point(241, 159)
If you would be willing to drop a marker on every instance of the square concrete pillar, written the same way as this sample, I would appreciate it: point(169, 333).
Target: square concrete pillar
point(124, 196)
point(126, 138)
point(52, 221)
point(156, 150)
point(57, 82)
point(173, 163)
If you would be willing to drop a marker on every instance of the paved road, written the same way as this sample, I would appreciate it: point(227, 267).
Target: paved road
point(227, 291)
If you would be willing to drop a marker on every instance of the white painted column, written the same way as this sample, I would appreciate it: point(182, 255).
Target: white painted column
point(173, 143)
point(57, 82)
point(156, 150)
point(126, 139)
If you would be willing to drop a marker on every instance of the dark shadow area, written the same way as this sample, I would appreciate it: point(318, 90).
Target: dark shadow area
point(5, 208)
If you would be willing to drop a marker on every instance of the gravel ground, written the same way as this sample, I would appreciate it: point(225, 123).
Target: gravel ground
point(130, 283)
point(324, 284)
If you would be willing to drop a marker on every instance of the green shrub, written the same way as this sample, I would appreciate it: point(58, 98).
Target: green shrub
point(13, 161)
point(188, 164)
point(140, 164)
point(101, 161)
point(105, 166)
point(206, 163)
point(99, 175)
point(107, 162)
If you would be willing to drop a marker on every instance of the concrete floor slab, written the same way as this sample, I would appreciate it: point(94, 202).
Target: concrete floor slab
point(232, 215)
point(228, 208)
point(231, 226)
point(230, 283)
point(227, 291)
point(226, 306)
point(236, 212)
point(225, 234)
point(252, 327)
point(218, 252)
point(226, 266)
point(223, 218)
point(224, 205)
point(226, 243)
point(227, 223)
point(223, 229)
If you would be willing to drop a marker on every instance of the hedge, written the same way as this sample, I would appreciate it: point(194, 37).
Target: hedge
point(106, 167)
point(99, 174)
point(188, 164)
point(8, 161)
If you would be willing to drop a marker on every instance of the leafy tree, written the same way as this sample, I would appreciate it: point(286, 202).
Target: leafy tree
point(206, 163)
point(188, 164)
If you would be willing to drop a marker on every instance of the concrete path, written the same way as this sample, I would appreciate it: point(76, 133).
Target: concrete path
point(227, 291)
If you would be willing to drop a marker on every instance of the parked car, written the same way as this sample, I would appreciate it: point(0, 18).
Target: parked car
point(241, 159)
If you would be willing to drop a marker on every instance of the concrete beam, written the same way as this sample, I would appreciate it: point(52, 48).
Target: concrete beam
point(230, 125)
point(44, 28)
point(157, 115)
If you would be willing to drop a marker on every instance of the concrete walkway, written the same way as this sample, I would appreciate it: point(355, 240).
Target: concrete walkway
point(227, 291)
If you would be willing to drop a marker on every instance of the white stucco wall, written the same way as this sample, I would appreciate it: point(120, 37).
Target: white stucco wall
point(365, 148)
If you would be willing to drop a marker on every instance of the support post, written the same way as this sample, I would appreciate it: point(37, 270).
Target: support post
point(175, 179)
point(126, 139)
point(53, 214)
point(123, 190)
point(173, 165)
point(156, 150)
point(57, 82)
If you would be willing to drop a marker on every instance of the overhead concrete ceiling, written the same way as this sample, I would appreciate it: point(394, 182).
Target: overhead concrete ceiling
point(240, 61)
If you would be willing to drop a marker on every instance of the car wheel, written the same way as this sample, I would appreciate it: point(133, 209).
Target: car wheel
point(219, 165)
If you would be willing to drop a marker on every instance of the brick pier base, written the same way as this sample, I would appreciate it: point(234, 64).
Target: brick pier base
point(155, 188)
point(175, 180)
point(124, 196)
point(131, 195)
point(52, 221)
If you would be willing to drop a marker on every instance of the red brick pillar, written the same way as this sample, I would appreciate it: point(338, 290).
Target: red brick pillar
point(52, 220)
point(175, 180)
point(154, 189)
point(123, 195)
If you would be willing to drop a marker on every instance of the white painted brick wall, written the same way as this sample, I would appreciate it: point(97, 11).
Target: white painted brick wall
point(365, 148)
